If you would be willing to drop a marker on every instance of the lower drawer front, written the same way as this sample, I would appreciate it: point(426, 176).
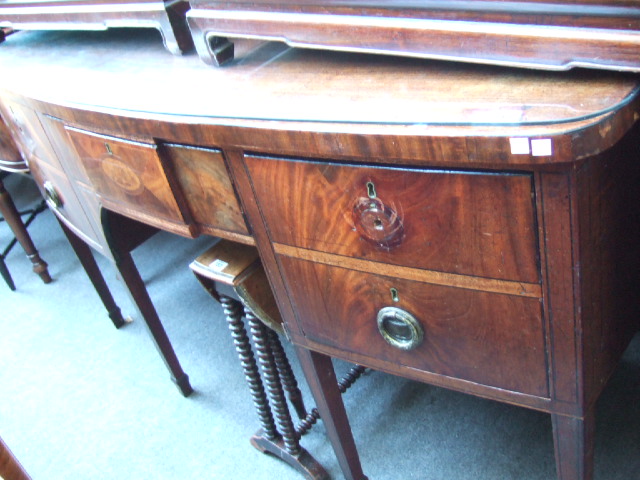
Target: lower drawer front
point(487, 338)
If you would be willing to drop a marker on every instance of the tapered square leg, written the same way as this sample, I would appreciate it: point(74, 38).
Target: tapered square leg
point(139, 295)
point(88, 262)
point(573, 438)
point(321, 377)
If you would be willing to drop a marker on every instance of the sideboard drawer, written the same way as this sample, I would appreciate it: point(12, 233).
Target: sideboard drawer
point(61, 198)
point(207, 188)
point(486, 338)
point(10, 158)
point(468, 223)
point(129, 178)
point(28, 134)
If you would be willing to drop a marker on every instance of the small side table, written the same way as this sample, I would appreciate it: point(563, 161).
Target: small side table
point(232, 274)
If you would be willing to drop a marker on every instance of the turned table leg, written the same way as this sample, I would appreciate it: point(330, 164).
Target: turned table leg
point(272, 382)
point(288, 447)
point(285, 372)
point(12, 217)
point(234, 311)
point(573, 439)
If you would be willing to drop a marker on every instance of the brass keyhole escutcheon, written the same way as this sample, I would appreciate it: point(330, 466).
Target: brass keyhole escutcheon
point(399, 328)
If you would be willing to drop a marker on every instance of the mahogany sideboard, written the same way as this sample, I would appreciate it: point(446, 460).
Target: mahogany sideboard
point(475, 228)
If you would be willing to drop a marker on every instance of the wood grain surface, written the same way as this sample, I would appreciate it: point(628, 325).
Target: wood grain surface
point(458, 222)
point(467, 335)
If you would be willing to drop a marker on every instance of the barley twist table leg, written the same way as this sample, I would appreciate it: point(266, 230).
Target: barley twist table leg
point(233, 311)
point(287, 377)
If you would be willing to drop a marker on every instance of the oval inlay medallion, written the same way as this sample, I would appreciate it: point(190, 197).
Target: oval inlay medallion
point(121, 174)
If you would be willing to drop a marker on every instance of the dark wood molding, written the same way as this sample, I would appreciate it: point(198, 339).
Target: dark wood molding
point(167, 16)
point(527, 33)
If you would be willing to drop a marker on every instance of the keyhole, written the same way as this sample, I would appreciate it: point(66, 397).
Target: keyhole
point(394, 295)
point(377, 224)
point(108, 147)
point(371, 190)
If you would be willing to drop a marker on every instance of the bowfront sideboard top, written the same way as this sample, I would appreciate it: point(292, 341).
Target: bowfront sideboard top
point(472, 227)
point(125, 72)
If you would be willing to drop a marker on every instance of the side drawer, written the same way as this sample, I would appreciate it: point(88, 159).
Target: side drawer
point(62, 199)
point(28, 134)
point(486, 338)
point(10, 158)
point(130, 179)
point(469, 223)
point(207, 189)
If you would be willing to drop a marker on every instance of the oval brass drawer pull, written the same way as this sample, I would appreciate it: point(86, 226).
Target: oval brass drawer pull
point(399, 328)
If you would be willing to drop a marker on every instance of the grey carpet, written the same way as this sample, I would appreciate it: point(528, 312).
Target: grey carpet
point(81, 400)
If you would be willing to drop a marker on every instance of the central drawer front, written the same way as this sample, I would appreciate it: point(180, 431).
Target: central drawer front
point(208, 191)
point(486, 338)
point(129, 177)
point(468, 223)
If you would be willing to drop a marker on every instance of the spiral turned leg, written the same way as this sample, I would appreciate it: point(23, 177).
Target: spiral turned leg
point(272, 383)
point(233, 311)
point(350, 378)
point(343, 385)
point(288, 448)
point(287, 377)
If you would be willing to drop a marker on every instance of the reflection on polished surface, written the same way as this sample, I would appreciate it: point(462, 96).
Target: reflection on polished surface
point(128, 71)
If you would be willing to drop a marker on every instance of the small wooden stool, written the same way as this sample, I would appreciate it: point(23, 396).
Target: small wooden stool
point(232, 273)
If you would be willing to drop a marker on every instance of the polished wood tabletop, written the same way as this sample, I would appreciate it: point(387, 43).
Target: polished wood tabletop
point(277, 83)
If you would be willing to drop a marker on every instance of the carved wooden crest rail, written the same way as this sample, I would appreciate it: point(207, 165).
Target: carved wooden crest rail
point(167, 16)
point(540, 34)
point(526, 33)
